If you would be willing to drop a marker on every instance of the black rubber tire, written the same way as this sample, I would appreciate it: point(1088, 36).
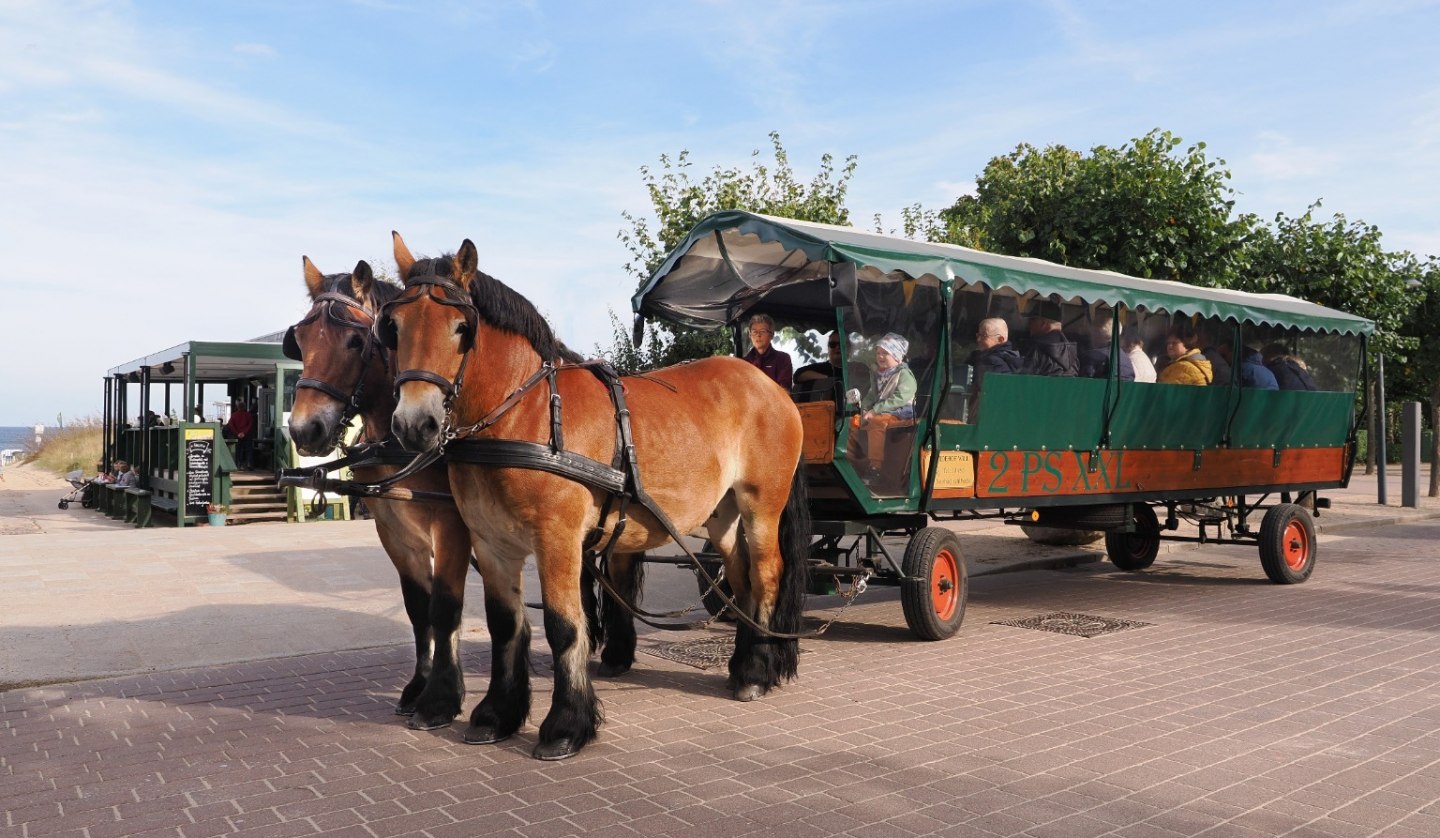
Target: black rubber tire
point(1135, 550)
point(711, 600)
point(1287, 544)
point(714, 605)
point(936, 585)
point(64, 504)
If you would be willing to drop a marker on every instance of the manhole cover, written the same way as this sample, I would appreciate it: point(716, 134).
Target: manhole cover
point(704, 653)
point(1077, 625)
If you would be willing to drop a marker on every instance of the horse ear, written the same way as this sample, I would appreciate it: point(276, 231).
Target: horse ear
point(467, 260)
point(314, 280)
point(403, 260)
point(362, 282)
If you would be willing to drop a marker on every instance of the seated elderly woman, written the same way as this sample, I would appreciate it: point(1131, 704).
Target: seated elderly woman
point(1188, 364)
point(890, 399)
point(892, 385)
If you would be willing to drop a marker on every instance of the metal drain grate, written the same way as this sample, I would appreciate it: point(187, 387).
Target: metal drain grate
point(1077, 625)
point(704, 653)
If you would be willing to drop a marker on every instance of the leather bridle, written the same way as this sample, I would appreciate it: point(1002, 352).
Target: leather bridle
point(326, 306)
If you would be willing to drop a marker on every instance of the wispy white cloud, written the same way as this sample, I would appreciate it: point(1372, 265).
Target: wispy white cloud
point(1279, 157)
point(255, 50)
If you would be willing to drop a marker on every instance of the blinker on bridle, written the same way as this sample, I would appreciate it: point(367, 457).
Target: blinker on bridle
point(325, 307)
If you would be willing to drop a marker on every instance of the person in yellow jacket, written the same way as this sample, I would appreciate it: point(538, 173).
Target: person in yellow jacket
point(1187, 364)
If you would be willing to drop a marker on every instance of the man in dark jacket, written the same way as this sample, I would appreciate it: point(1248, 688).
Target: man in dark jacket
point(1049, 352)
point(1290, 372)
point(993, 352)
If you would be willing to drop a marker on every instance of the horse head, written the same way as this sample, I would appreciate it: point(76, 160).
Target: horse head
point(430, 328)
point(345, 370)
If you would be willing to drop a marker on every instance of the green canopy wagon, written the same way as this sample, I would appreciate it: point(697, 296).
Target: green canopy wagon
point(1127, 458)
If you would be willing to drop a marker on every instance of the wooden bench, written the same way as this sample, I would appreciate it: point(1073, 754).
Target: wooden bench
point(137, 506)
point(114, 501)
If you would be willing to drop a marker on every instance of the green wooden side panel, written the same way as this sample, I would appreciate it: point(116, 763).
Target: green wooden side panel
point(1316, 419)
point(1034, 413)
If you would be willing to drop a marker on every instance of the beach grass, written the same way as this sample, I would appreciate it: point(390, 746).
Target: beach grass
point(77, 446)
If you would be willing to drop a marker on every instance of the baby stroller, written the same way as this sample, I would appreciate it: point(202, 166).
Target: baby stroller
point(83, 491)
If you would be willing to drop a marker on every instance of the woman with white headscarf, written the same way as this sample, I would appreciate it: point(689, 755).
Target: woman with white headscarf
point(892, 387)
point(891, 400)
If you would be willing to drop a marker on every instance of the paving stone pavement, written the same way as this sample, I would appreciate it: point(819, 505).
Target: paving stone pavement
point(1242, 708)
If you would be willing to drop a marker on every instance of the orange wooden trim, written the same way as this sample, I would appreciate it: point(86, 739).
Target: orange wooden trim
point(1013, 474)
point(818, 419)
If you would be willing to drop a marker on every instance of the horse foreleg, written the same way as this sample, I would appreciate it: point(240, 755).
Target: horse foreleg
point(627, 575)
point(574, 710)
point(444, 692)
point(506, 704)
point(411, 558)
point(417, 608)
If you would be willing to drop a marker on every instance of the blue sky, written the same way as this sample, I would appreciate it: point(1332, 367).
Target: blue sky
point(164, 165)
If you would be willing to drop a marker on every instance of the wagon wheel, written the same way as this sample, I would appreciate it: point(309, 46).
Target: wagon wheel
point(1135, 550)
point(934, 588)
point(64, 504)
point(1287, 544)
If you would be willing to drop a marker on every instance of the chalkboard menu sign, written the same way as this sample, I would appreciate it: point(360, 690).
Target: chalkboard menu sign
point(199, 463)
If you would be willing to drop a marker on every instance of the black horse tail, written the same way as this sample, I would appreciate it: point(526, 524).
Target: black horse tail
point(796, 533)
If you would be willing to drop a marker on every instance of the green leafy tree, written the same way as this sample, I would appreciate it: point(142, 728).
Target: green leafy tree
point(1140, 209)
point(1342, 264)
point(1338, 263)
point(679, 202)
point(1422, 372)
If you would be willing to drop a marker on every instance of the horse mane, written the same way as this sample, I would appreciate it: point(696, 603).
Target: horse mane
point(504, 308)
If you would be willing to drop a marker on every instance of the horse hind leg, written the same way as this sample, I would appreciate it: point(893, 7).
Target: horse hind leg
point(776, 547)
point(627, 576)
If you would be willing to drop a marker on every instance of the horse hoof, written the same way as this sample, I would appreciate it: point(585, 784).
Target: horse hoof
point(748, 692)
point(404, 709)
point(484, 735)
point(612, 670)
point(559, 749)
point(418, 722)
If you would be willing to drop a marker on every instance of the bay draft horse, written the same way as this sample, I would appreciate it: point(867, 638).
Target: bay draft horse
point(717, 443)
point(346, 372)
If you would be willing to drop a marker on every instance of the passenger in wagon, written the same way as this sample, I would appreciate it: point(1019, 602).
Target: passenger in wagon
point(993, 350)
point(1133, 344)
point(817, 382)
point(890, 400)
point(1212, 337)
point(1095, 361)
point(1049, 352)
point(892, 388)
point(1187, 365)
point(1290, 372)
point(771, 361)
point(1253, 372)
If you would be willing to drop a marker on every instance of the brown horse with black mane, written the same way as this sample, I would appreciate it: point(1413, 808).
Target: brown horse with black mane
point(715, 442)
point(347, 373)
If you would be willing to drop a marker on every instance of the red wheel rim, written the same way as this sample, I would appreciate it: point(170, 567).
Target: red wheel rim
point(945, 585)
point(1296, 546)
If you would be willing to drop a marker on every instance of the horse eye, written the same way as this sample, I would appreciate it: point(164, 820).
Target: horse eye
point(355, 343)
point(462, 329)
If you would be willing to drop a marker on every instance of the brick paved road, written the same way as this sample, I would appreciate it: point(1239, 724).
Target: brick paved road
point(1244, 709)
